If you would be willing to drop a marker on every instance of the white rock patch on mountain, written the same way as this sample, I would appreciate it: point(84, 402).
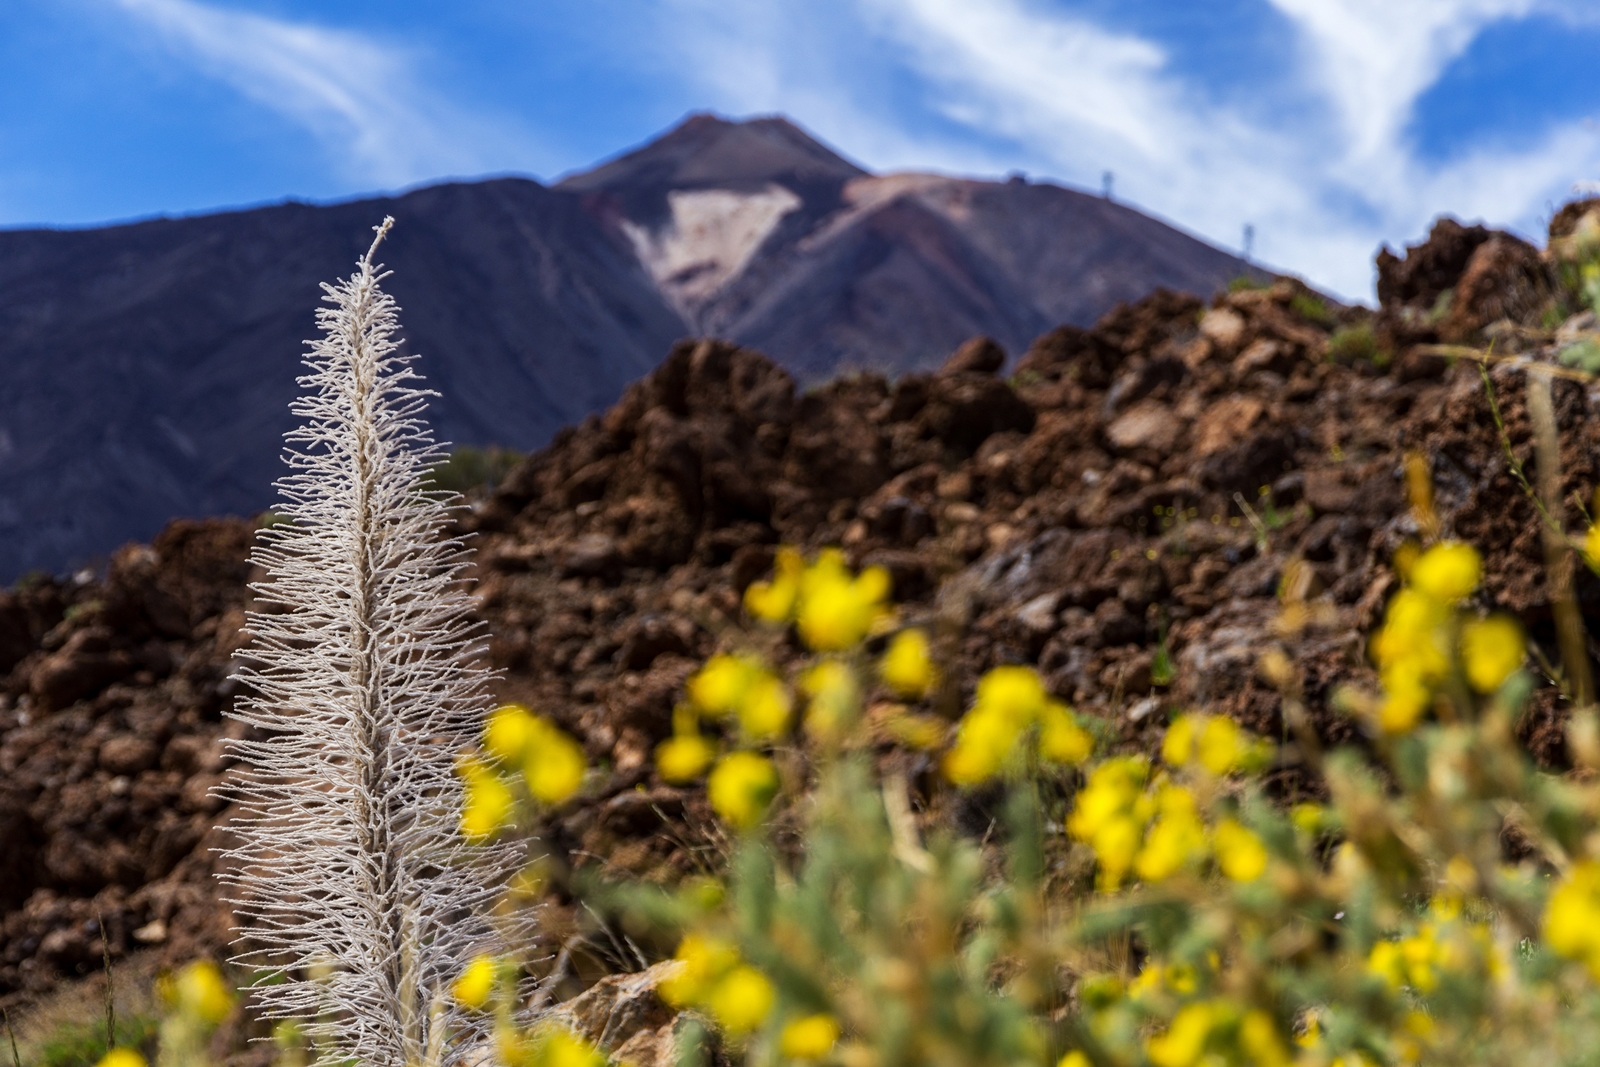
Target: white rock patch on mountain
point(711, 236)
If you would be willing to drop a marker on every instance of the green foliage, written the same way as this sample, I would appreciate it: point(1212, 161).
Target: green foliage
point(83, 1044)
point(1312, 308)
point(1244, 283)
point(1356, 343)
point(469, 468)
point(1441, 307)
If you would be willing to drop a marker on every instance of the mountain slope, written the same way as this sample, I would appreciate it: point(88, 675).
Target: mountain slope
point(757, 233)
point(149, 365)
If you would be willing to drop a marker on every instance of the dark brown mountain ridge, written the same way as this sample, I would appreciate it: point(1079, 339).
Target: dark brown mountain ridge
point(149, 365)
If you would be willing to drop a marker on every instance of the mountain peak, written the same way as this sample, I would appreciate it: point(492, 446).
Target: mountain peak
point(706, 149)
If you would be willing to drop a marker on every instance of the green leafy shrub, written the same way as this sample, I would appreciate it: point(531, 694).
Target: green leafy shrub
point(1356, 343)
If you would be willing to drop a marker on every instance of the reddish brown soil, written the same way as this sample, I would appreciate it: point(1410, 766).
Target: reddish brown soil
point(1149, 480)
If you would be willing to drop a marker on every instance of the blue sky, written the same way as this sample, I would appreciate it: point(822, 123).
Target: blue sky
point(1329, 125)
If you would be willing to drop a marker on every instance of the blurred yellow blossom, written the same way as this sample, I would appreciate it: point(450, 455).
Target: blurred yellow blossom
point(556, 1046)
point(684, 758)
point(1240, 853)
point(508, 733)
point(702, 961)
point(477, 982)
point(774, 601)
point(1572, 916)
point(553, 765)
point(764, 709)
point(1491, 649)
point(810, 1037)
point(837, 610)
point(122, 1057)
point(720, 685)
point(1174, 839)
point(835, 697)
point(907, 666)
point(1591, 547)
point(199, 990)
point(1061, 739)
point(741, 1000)
point(1185, 1039)
point(741, 786)
point(488, 801)
point(1447, 572)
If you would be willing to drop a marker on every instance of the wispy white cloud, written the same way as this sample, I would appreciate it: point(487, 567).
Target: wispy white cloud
point(1323, 186)
point(364, 101)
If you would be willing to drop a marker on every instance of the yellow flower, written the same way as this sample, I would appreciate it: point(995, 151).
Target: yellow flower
point(1177, 748)
point(1572, 916)
point(836, 610)
point(1016, 693)
point(1240, 853)
point(1061, 739)
point(1185, 1040)
point(1490, 650)
point(1405, 698)
point(1104, 816)
point(554, 764)
point(1221, 743)
point(774, 601)
point(559, 1047)
point(719, 686)
point(764, 708)
point(809, 1038)
point(1591, 547)
point(1075, 1058)
point(488, 801)
point(477, 982)
point(741, 786)
point(684, 758)
point(907, 666)
point(1447, 572)
point(1258, 1036)
point(741, 1000)
point(1176, 837)
point(200, 991)
point(984, 740)
point(1308, 818)
point(703, 960)
point(508, 732)
point(831, 685)
point(122, 1057)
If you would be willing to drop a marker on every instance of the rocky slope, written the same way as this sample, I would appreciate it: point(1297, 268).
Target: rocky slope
point(1154, 486)
point(149, 366)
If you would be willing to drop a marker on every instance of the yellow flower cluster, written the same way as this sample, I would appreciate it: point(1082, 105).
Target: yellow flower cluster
point(741, 786)
point(1216, 1031)
point(1215, 743)
point(199, 991)
point(489, 802)
point(832, 608)
point(477, 983)
point(1444, 944)
point(1572, 916)
point(810, 1037)
point(713, 978)
point(1155, 832)
point(1010, 702)
point(741, 686)
point(551, 762)
point(1415, 648)
point(907, 666)
point(547, 1045)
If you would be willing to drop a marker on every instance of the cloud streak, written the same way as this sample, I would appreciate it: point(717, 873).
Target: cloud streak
point(1323, 185)
point(362, 101)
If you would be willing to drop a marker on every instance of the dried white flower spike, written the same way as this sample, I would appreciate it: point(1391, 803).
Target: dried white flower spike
point(352, 879)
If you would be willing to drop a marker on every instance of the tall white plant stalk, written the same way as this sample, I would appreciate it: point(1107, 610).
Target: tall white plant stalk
point(352, 880)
